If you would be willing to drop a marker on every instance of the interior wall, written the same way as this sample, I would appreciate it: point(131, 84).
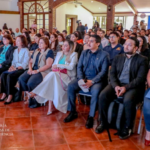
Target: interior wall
point(70, 9)
point(13, 21)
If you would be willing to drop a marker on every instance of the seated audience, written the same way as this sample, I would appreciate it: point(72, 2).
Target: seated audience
point(24, 30)
point(46, 34)
point(64, 32)
point(19, 64)
point(6, 33)
point(6, 53)
point(17, 32)
point(77, 47)
point(104, 41)
point(125, 34)
point(27, 36)
point(146, 111)
point(127, 80)
point(32, 35)
point(39, 66)
point(86, 41)
point(11, 33)
point(35, 45)
point(114, 48)
point(55, 81)
point(143, 33)
point(80, 39)
point(121, 40)
point(61, 39)
point(41, 31)
point(1, 37)
point(133, 35)
point(93, 66)
point(54, 44)
point(55, 31)
point(143, 47)
point(149, 40)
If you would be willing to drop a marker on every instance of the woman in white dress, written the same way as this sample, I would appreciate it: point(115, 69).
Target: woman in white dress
point(53, 87)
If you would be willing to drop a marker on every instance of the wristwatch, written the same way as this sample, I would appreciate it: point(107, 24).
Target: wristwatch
point(93, 82)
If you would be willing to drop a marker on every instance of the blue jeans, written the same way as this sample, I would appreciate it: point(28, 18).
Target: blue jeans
point(146, 111)
point(73, 89)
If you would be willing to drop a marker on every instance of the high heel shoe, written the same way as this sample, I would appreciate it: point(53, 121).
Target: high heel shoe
point(3, 99)
point(6, 103)
point(48, 113)
point(147, 142)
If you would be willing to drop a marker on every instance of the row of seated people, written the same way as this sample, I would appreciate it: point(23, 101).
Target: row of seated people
point(57, 82)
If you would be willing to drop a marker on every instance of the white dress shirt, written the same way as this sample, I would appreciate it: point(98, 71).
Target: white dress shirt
point(21, 59)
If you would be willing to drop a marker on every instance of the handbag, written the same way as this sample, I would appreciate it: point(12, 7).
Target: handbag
point(61, 71)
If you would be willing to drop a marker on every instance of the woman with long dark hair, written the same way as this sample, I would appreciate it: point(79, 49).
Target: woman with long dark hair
point(143, 47)
point(27, 35)
point(19, 64)
point(5, 26)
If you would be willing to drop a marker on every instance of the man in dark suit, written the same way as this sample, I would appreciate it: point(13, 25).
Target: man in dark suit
point(127, 79)
point(93, 66)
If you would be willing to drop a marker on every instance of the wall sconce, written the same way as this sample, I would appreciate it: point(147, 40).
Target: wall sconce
point(109, 8)
point(50, 10)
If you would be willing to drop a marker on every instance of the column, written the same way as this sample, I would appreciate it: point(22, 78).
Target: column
point(135, 19)
point(110, 16)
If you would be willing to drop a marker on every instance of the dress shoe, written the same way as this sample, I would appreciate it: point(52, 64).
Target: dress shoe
point(100, 128)
point(125, 133)
point(147, 142)
point(71, 116)
point(89, 122)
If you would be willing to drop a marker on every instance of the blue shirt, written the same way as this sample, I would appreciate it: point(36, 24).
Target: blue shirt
point(17, 34)
point(62, 60)
point(49, 55)
point(3, 53)
point(91, 71)
point(118, 49)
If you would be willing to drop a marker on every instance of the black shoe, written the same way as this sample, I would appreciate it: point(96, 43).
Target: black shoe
point(89, 122)
point(71, 116)
point(6, 103)
point(3, 99)
point(100, 128)
point(17, 97)
point(125, 133)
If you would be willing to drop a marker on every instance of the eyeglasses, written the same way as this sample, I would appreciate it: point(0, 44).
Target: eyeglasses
point(112, 37)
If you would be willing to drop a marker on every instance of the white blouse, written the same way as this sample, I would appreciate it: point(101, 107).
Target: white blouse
point(21, 59)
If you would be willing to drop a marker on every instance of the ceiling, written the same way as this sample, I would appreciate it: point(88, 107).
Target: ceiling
point(97, 7)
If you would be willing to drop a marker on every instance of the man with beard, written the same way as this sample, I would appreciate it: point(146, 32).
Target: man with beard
point(127, 80)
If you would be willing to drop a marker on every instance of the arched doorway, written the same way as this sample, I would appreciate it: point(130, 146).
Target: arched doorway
point(36, 11)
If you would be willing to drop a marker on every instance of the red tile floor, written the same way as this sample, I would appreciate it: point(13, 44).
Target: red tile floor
point(22, 128)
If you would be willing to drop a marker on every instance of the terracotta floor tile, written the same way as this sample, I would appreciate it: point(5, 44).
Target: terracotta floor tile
point(82, 108)
point(18, 148)
point(87, 146)
point(38, 111)
point(17, 139)
point(119, 145)
point(57, 147)
point(139, 141)
point(2, 104)
point(17, 104)
point(23, 123)
point(48, 137)
point(78, 134)
point(17, 112)
point(45, 122)
point(75, 123)
point(104, 135)
point(2, 112)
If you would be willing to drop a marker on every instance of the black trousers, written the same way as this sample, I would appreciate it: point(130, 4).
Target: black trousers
point(2, 69)
point(29, 82)
point(130, 99)
point(9, 80)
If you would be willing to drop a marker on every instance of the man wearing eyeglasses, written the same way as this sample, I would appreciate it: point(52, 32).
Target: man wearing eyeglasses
point(127, 81)
point(92, 71)
point(114, 48)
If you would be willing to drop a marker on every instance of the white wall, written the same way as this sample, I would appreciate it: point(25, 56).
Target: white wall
point(12, 20)
point(69, 9)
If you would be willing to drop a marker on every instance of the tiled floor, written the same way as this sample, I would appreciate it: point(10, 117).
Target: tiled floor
point(22, 128)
